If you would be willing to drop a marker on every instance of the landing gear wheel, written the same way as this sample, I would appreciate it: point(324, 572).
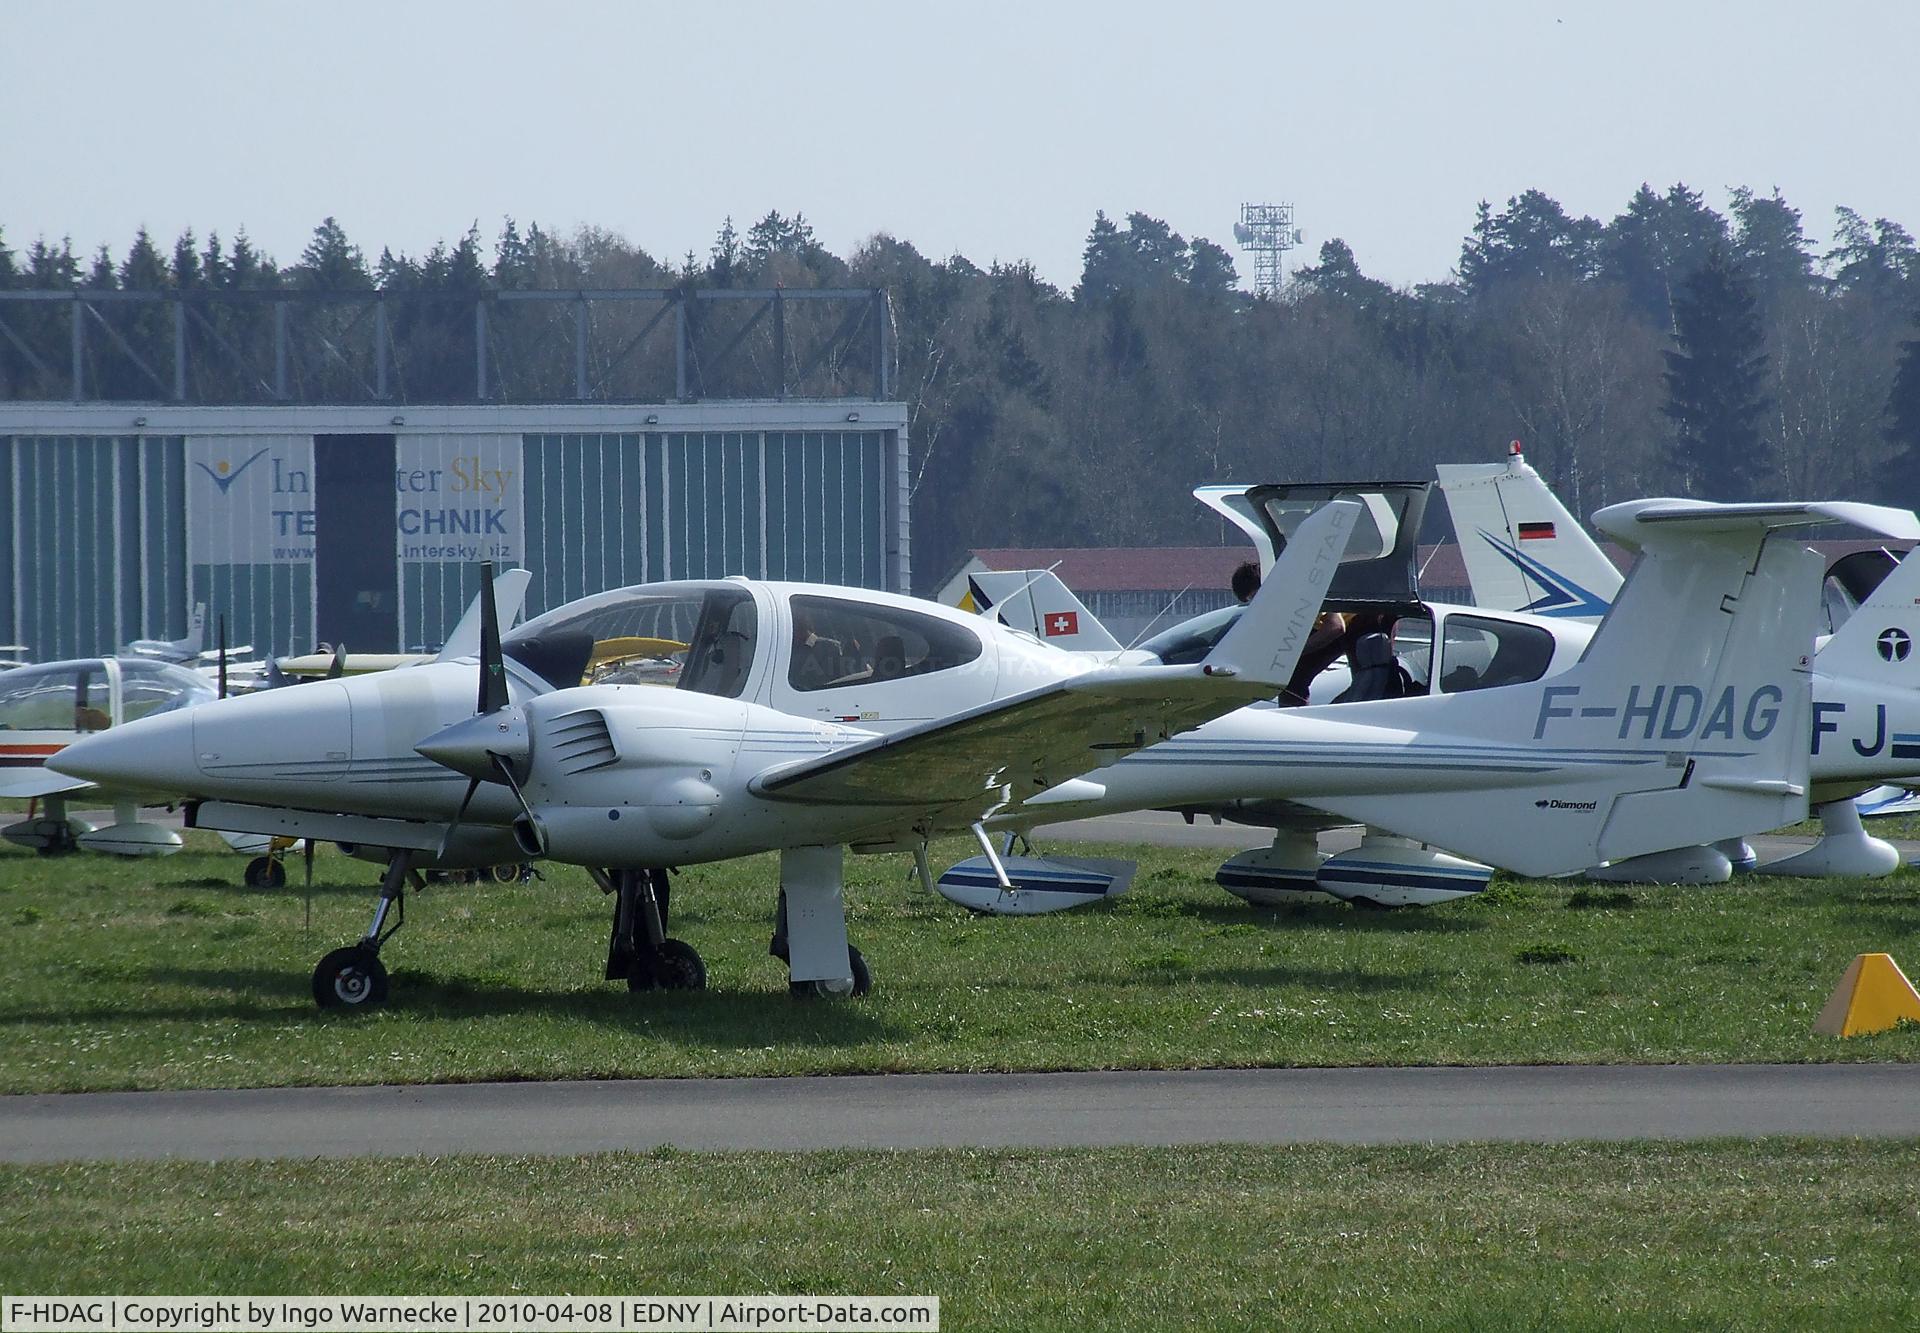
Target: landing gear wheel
point(675, 967)
point(60, 843)
point(350, 978)
point(265, 872)
point(813, 990)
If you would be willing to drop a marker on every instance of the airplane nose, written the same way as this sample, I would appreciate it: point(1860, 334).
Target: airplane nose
point(152, 754)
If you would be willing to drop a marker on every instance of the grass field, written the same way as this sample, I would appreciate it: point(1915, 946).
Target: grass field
point(168, 974)
point(1722, 1235)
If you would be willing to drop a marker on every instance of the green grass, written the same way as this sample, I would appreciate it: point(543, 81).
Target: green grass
point(1772, 1234)
point(168, 974)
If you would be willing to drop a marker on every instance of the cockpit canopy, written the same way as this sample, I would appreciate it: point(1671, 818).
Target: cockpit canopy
point(703, 637)
point(691, 636)
point(79, 695)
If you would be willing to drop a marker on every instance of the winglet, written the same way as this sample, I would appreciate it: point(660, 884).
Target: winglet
point(1264, 645)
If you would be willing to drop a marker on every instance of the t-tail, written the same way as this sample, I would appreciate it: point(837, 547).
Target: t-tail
point(1522, 549)
point(1685, 722)
point(1035, 600)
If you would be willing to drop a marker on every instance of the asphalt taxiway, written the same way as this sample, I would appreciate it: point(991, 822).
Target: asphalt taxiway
point(1158, 1108)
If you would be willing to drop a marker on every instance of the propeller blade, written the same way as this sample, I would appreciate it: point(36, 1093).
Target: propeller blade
point(223, 655)
point(493, 671)
point(338, 668)
point(309, 860)
point(446, 839)
point(505, 770)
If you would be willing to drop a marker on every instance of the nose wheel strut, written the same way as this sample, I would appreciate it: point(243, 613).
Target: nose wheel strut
point(639, 951)
point(354, 977)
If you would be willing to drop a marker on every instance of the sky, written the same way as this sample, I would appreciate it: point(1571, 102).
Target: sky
point(989, 129)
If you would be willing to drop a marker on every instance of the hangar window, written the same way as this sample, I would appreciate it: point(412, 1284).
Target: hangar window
point(838, 643)
point(1481, 654)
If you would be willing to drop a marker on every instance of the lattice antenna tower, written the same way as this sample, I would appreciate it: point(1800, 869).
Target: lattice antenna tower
point(1267, 232)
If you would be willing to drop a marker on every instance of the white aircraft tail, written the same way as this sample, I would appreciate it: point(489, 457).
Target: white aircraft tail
point(1686, 721)
point(1877, 643)
point(509, 593)
point(1035, 600)
point(1522, 549)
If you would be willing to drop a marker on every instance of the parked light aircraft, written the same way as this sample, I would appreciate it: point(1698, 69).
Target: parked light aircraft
point(1522, 548)
point(805, 719)
point(46, 708)
point(1262, 765)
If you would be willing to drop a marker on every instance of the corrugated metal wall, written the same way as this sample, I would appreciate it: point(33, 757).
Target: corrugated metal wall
point(114, 538)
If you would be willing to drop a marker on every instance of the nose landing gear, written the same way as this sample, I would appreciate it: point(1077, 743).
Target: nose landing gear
point(354, 977)
point(639, 951)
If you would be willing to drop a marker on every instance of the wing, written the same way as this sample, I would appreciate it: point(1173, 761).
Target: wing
point(24, 784)
point(1015, 748)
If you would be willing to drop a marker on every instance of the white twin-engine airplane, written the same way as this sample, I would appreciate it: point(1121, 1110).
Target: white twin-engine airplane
point(804, 719)
point(1524, 551)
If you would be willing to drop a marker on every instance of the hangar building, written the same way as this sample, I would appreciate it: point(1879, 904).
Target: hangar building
point(363, 522)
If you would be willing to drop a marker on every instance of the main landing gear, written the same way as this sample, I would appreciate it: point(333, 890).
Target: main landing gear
point(810, 927)
point(640, 951)
point(354, 977)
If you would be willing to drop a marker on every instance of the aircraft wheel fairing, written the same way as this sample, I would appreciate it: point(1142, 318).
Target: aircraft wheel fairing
point(813, 990)
point(350, 978)
point(677, 967)
point(264, 872)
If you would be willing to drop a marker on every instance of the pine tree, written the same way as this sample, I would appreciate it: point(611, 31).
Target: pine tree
point(186, 262)
point(331, 262)
point(1769, 245)
point(1900, 476)
point(723, 261)
point(143, 270)
point(1713, 382)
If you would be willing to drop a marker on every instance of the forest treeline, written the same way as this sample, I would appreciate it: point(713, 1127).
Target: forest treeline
point(1671, 349)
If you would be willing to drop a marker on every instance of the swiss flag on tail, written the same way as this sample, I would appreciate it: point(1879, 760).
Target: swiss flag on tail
point(1058, 624)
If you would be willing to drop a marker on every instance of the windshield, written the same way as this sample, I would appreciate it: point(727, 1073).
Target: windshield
point(147, 688)
point(1191, 640)
point(690, 636)
point(66, 696)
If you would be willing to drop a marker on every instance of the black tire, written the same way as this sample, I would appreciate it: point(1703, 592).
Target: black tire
point(503, 874)
point(265, 872)
point(350, 978)
point(814, 990)
point(676, 967)
point(62, 844)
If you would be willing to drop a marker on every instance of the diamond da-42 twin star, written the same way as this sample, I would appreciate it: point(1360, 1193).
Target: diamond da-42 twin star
point(804, 719)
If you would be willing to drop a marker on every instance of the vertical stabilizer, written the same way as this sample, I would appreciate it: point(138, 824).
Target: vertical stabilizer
point(1878, 642)
point(1522, 549)
point(1035, 600)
